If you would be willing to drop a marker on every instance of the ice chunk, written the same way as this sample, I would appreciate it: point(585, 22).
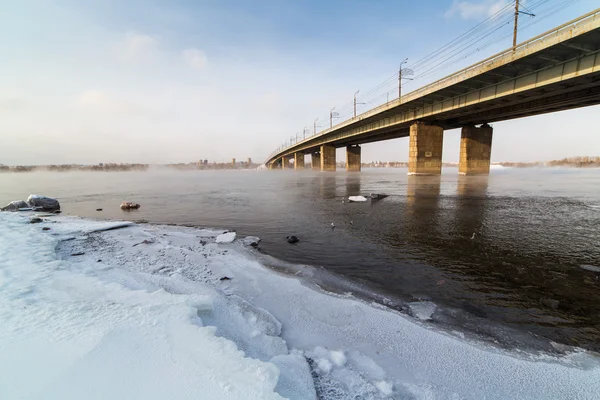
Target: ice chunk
point(386, 388)
point(422, 310)
point(357, 198)
point(338, 358)
point(226, 237)
point(324, 365)
point(295, 381)
point(592, 268)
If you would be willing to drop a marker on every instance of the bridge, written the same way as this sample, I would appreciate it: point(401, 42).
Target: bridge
point(557, 70)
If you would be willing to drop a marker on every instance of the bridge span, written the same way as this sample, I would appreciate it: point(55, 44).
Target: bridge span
point(557, 70)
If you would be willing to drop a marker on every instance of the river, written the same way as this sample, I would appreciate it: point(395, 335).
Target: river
point(512, 257)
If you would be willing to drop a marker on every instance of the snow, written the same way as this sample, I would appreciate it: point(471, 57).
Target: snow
point(226, 237)
point(154, 321)
point(357, 198)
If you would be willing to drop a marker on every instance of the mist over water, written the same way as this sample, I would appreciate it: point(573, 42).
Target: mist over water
point(517, 249)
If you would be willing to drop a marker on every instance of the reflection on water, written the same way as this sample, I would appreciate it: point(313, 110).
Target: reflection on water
point(507, 248)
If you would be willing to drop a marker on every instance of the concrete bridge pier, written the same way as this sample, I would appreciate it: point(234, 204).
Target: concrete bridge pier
point(475, 150)
point(425, 149)
point(353, 158)
point(285, 162)
point(315, 161)
point(327, 157)
point(298, 161)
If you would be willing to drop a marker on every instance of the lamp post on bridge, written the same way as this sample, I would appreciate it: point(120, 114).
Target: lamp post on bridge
point(333, 115)
point(355, 103)
point(315, 127)
point(402, 74)
point(304, 131)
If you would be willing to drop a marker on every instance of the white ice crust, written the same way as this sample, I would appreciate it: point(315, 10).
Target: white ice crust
point(145, 313)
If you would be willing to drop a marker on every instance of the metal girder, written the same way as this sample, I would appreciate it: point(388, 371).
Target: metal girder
point(549, 58)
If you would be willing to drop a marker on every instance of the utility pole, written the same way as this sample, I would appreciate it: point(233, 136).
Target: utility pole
point(517, 12)
point(516, 23)
point(355, 103)
point(315, 127)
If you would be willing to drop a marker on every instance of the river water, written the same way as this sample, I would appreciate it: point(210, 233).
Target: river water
point(512, 257)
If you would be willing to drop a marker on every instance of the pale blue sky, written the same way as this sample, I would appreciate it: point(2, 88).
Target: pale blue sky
point(174, 81)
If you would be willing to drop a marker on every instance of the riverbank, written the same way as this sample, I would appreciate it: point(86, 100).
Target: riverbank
point(83, 306)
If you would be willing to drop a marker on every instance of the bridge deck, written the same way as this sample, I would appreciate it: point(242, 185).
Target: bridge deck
point(557, 70)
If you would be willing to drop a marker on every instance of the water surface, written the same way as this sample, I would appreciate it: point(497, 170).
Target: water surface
point(514, 249)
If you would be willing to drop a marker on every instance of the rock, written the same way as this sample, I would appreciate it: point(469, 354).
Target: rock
point(15, 206)
point(57, 212)
point(376, 196)
point(225, 278)
point(128, 205)
point(77, 254)
point(98, 209)
point(43, 203)
point(359, 199)
point(226, 237)
point(552, 303)
point(45, 228)
point(252, 241)
point(35, 220)
point(292, 239)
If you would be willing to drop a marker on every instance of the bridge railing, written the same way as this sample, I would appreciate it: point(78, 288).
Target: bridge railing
point(523, 48)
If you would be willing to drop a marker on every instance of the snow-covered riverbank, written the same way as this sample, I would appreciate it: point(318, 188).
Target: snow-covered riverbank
point(155, 312)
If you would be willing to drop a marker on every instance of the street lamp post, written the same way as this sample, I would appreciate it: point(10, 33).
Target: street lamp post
point(402, 74)
point(355, 103)
point(315, 127)
point(332, 115)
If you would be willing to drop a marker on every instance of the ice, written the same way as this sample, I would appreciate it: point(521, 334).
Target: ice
point(592, 268)
point(338, 358)
point(295, 380)
point(155, 321)
point(422, 310)
point(226, 237)
point(67, 334)
point(357, 198)
point(384, 387)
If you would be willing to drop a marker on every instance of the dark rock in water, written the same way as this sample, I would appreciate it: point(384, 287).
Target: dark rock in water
point(225, 278)
point(128, 205)
point(77, 254)
point(15, 206)
point(43, 203)
point(35, 220)
point(45, 228)
point(376, 196)
point(98, 209)
point(292, 239)
point(99, 261)
point(57, 212)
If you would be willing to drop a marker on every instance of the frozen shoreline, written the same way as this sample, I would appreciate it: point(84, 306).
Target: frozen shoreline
point(147, 312)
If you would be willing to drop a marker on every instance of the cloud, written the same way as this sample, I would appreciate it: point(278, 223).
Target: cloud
point(137, 47)
point(195, 58)
point(475, 10)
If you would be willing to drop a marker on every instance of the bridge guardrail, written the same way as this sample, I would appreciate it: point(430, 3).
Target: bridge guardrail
point(463, 74)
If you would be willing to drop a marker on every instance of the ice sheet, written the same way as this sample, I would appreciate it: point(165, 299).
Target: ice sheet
point(148, 308)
